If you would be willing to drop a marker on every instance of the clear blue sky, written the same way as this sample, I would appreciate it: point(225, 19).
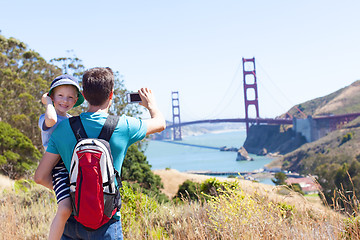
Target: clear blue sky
point(304, 49)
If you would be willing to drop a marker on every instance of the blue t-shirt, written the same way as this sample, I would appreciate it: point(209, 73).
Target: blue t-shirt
point(45, 131)
point(128, 131)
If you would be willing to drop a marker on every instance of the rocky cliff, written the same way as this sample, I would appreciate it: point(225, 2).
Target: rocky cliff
point(272, 138)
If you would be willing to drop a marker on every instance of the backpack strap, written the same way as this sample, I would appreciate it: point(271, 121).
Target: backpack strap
point(77, 128)
point(109, 127)
point(106, 133)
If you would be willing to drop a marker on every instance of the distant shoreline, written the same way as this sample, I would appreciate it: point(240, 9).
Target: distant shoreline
point(212, 132)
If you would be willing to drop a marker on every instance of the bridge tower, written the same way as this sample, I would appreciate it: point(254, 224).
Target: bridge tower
point(250, 83)
point(176, 115)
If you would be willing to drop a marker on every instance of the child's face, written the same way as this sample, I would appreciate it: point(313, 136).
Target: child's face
point(64, 98)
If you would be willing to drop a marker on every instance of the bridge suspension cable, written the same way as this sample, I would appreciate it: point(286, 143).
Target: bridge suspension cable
point(278, 90)
point(225, 102)
point(218, 108)
point(227, 105)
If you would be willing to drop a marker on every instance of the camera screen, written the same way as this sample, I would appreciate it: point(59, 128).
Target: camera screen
point(135, 97)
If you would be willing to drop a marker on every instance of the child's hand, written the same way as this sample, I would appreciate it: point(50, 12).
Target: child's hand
point(45, 99)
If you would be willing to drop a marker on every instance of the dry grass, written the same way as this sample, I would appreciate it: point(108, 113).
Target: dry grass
point(6, 183)
point(248, 211)
point(345, 98)
point(236, 215)
point(26, 213)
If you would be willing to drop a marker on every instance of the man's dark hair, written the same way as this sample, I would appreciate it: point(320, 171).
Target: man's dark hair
point(97, 85)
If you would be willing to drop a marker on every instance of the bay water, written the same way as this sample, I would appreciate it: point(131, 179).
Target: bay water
point(162, 155)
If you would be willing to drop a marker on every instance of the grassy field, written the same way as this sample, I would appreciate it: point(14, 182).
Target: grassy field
point(252, 212)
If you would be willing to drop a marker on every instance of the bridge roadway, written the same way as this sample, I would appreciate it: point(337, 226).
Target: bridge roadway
point(285, 121)
point(237, 120)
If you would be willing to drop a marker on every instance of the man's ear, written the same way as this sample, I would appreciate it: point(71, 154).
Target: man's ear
point(111, 95)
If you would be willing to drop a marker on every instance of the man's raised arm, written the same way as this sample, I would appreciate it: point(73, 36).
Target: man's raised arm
point(157, 121)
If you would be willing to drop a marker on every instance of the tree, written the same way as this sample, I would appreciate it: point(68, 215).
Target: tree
point(280, 178)
point(24, 77)
point(70, 65)
point(137, 171)
point(340, 183)
point(18, 156)
point(120, 105)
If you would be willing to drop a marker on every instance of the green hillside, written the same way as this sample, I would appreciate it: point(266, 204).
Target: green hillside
point(330, 148)
point(336, 147)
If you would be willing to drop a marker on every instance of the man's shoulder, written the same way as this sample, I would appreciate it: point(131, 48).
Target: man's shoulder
point(128, 121)
point(62, 125)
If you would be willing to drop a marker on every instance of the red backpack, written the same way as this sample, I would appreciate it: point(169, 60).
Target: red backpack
point(95, 195)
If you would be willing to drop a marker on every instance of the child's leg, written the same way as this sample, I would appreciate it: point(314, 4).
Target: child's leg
point(63, 213)
point(61, 185)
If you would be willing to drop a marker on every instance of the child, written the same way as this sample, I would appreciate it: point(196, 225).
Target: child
point(64, 94)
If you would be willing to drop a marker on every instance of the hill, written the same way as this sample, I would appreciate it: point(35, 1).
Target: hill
point(345, 100)
point(334, 158)
point(340, 146)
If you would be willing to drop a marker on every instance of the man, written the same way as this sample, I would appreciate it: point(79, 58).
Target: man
point(98, 86)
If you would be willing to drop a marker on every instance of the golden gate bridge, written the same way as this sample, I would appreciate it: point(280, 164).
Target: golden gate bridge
point(307, 126)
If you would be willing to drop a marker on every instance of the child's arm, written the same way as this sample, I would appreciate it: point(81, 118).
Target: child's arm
point(50, 113)
point(43, 174)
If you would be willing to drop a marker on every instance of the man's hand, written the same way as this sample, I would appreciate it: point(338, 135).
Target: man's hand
point(147, 98)
point(43, 174)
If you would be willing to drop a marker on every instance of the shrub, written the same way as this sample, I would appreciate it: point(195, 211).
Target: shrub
point(346, 138)
point(189, 189)
point(213, 187)
point(136, 209)
point(237, 215)
point(297, 188)
point(18, 156)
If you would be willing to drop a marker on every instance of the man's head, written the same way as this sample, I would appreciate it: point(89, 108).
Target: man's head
point(67, 80)
point(98, 85)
